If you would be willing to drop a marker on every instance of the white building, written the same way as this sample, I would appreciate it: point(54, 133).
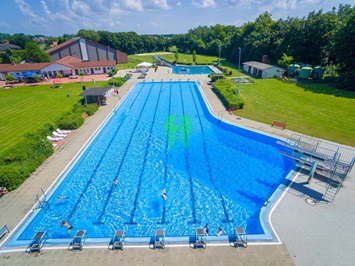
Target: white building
point(262, 70)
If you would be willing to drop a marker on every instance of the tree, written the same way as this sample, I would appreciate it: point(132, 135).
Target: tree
point(285, 61)
point(34, 54)
point(89, 34)
point(194, 56)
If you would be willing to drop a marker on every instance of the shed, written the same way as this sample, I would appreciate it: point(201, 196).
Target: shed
point(96, 95)
point(262, 70)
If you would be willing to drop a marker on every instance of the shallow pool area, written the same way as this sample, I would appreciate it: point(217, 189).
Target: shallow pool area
point(162, 136)
point(192, 70)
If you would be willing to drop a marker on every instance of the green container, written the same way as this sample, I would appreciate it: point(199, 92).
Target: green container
point(317, 72)
point(291, 69)
point(305, 73)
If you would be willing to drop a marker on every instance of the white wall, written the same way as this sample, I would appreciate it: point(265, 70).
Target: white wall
point(272, 72)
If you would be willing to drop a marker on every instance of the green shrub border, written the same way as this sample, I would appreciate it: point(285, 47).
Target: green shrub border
point(18, 162)
point(224, 89)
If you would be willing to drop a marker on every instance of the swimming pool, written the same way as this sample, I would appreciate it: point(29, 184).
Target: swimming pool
point(162, 135)
point(192, 70)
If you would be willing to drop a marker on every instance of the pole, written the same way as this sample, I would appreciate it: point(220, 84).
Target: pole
point(237, 92)
point(219, 58)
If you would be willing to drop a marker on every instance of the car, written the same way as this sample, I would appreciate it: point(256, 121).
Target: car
point(73, 77)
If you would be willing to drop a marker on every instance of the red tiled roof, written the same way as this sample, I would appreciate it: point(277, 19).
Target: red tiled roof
point(55, 48)
point(23, 67)
point(96, 64)
point(69, 61)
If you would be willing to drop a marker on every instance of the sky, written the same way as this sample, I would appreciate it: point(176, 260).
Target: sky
point(58, 17)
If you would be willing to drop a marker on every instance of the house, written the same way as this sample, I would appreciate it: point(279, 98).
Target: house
point(86, 51)
point(262, 70)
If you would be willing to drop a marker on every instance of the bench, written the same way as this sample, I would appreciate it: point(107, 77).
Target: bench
point(3, 230)
point(278, 124)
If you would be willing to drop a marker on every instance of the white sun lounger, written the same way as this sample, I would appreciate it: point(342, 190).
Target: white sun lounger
point(54, 138)
point(56, 134)
point(60, 131)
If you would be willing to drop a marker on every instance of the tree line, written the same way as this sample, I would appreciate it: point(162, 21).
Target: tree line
point(321, 38)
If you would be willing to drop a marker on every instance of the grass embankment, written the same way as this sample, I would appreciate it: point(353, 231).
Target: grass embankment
point(24, 109)
point(310, 108)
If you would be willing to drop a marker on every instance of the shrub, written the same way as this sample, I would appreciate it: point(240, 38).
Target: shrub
point(91, 109)
point(9, 77)
point(110, 73)
point(71, 120)
point(117, 82)
point(60, 75)
point(230, 73)
point(225, 89)
point(18, 162)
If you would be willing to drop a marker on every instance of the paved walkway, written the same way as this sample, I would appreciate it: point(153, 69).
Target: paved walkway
point(312, 235)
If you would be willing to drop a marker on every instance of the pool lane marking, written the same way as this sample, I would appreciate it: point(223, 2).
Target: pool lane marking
point(144, 161)
point(163, 215)
point(188, 169)
point(124, 155)
point(226, 220)
point(96, 168)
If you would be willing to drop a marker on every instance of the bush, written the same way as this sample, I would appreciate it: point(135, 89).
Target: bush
point(117, 82)
point(9, 77)
point(91, 109)
point(110, 73)
point(18, 162)
point(71, 121)
point(225, 89)
point(60, 75)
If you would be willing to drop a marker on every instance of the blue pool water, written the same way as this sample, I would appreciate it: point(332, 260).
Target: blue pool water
point(192, 70)
point(162, 135)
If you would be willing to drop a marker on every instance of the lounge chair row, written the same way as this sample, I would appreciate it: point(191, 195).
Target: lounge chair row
point(118, 240)
point(58, 135)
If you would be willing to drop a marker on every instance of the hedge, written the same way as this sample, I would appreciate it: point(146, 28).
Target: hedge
point(18, 162)
point(225, 90)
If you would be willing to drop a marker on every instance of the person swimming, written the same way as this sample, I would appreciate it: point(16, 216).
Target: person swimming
point(220, 231)
point(163, 194)
point(115, 181)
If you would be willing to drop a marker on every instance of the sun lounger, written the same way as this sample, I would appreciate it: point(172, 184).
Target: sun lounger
point(56, 134)
point(200, 238)
point(61, 131)
point(240, 237)
point(159, 239)
point(3, 190)
point(54, 139)
point(117, 241)
point(78, 241)
point(4, 230)
point(37, 242)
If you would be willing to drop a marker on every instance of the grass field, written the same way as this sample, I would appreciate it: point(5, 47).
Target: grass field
point(310, 108)
point(24, 109)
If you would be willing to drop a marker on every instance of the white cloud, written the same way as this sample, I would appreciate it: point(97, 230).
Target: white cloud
point(135, 5)
point(80, 7)
point(25, 8)
point(4, 24)
point(179, 3)
point(45, 8)
point(161, 4)
point(204, 3)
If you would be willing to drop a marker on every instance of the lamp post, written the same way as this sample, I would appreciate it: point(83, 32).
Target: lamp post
point(219, 58)
point(238, 84)
point(81, 78)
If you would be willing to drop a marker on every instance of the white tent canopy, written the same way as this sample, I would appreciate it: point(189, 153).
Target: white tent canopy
point(144, 64)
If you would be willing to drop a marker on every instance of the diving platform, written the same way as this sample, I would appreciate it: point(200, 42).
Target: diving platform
point(327, 159)
point(161, 62)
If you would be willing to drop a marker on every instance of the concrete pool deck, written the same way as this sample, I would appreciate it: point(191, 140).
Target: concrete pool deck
point(311, 235)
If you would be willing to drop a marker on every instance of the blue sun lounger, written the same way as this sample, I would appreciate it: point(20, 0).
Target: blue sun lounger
point(240, 237)
point(117, 241)
point(37, 242)
point(200, 238)
point(78, 241)
point(159, 240)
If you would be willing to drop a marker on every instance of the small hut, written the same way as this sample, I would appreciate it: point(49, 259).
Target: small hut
point(96, 95)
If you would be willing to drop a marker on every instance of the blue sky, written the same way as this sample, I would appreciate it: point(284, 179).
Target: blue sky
point(57, 17)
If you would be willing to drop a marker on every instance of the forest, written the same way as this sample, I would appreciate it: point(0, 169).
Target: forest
point(321, 38)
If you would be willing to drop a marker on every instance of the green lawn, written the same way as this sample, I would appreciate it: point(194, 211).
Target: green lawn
point(24, 109)
point(310, 108)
